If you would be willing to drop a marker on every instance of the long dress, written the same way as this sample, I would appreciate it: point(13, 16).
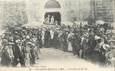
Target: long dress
point(5, 58)
point(69, 41)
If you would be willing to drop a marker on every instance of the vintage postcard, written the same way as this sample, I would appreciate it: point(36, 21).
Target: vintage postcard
point(57, 35)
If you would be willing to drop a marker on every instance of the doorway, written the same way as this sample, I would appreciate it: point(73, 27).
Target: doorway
point(55, 15)
point(52, 12)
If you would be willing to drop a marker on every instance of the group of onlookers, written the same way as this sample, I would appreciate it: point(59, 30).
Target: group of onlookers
point(22, 45)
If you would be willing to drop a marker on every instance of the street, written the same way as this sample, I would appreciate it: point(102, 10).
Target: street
point(56, 60)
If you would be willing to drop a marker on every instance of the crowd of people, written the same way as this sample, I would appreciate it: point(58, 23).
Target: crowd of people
point(22, 44)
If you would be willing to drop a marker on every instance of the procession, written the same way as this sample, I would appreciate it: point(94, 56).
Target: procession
point(48, 32)
point(22, 44)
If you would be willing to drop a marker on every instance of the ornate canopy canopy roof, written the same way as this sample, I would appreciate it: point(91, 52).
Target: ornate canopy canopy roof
point(52, 4)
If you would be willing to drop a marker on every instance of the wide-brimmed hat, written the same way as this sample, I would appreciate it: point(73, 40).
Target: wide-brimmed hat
point(30, 43)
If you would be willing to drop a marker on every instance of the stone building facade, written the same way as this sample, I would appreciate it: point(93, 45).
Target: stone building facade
point(70, 10)
point(103, 10)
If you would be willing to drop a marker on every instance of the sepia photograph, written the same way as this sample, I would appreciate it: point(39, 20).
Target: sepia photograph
point(57, 35)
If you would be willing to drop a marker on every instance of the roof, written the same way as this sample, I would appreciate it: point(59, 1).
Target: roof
point(52, 4)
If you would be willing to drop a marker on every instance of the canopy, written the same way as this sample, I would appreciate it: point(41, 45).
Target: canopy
point(33, 24)
point(67, 23)
point(52, 4)
point(101, 22)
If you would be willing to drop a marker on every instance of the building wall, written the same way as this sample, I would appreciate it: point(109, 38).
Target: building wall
point(13, 13)
point(113, 9)
point(103, 10)
point(1, 14)
point(69, 9)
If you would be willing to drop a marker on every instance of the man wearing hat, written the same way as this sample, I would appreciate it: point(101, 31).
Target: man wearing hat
point(18, 52)
point(30, 50)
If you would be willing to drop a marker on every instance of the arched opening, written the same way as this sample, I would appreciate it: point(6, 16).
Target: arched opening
point(56, 15)
point(52, 13)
